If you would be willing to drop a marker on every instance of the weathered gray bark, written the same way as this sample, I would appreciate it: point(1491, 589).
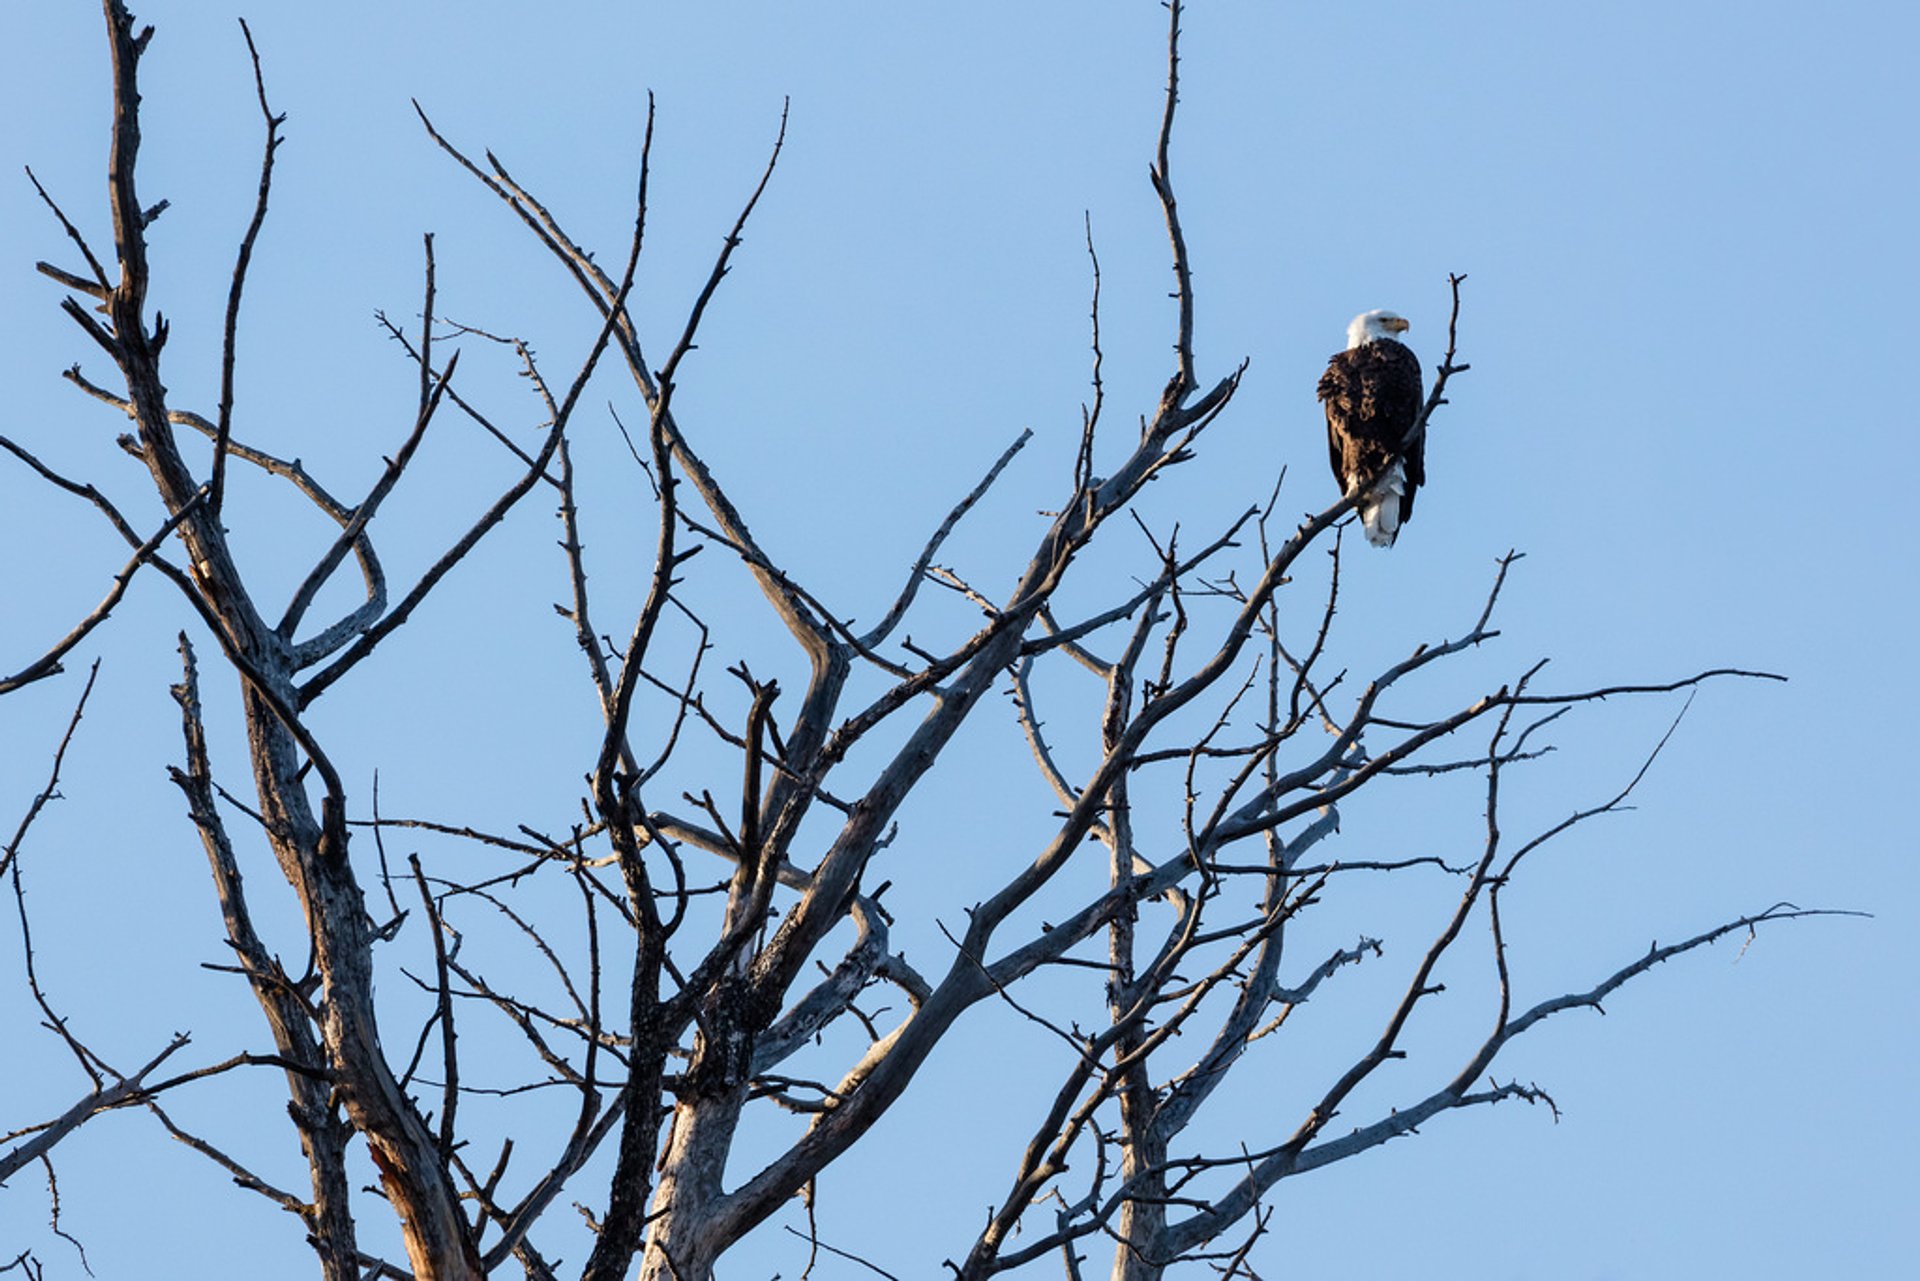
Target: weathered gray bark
point(312, 852)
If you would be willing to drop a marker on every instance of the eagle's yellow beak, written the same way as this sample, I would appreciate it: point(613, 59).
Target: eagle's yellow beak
point(1398, 325)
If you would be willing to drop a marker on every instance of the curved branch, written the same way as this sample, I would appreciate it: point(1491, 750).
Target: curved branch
point(224, 429)
point(884, 628)
point(144, 551)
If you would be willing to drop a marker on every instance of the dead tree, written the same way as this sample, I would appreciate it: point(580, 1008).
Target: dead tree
point(727, 932)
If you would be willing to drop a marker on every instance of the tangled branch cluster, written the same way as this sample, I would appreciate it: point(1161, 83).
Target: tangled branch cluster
point(690, 994)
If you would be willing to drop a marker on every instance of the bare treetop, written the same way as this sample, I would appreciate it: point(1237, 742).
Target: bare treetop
point(707, 962)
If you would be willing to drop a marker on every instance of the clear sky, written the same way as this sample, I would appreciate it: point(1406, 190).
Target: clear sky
point(1688, 230)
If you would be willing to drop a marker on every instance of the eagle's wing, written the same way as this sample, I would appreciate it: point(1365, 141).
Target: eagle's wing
point(1336, 393)
point(1416, 456)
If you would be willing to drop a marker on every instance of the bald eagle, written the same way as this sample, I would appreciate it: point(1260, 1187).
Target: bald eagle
point(1372, 392)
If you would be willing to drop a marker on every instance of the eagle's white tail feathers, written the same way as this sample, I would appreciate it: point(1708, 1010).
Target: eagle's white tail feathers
point(1380, 510)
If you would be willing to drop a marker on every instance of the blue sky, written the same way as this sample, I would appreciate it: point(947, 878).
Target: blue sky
point(1688, 237)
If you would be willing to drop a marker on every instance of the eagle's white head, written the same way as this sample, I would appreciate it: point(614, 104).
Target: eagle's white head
point(1372, 326)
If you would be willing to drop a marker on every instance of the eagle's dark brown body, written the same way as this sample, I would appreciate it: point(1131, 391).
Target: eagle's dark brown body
point(1372, 395)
